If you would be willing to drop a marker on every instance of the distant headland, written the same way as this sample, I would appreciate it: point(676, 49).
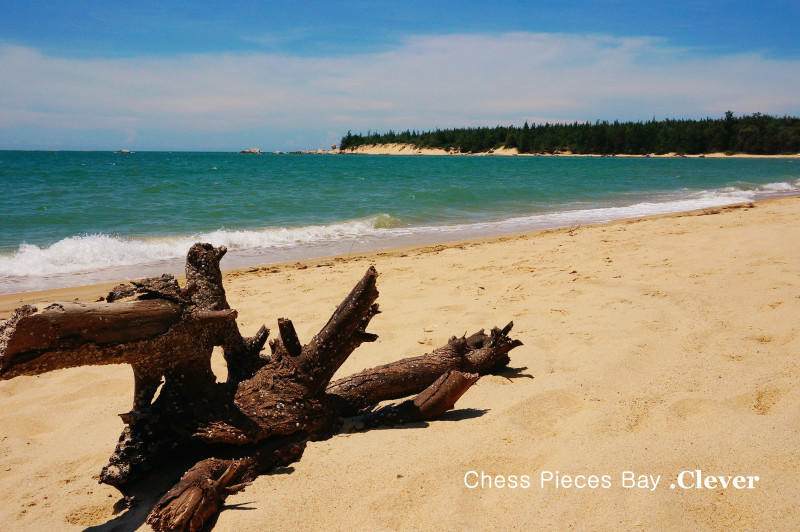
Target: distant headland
point(755, 135)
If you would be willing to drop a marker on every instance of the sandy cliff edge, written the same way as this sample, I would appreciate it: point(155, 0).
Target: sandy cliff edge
point(410, 149)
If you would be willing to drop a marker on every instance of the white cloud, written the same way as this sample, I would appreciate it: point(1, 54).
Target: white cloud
point(427, 82)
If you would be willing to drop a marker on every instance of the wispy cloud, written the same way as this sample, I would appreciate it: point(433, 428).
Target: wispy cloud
point(426, 82)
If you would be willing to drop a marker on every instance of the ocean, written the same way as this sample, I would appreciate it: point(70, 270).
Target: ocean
point(73, 218)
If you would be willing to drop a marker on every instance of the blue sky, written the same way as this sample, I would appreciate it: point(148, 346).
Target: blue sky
point(195, 75)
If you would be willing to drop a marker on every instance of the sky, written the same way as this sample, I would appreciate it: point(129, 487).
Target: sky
point(299, 75)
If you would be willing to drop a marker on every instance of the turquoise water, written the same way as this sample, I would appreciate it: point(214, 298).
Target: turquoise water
point(67, 217)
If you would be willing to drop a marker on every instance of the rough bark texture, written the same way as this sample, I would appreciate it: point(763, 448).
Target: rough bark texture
point(479, 354)
point(262, 417)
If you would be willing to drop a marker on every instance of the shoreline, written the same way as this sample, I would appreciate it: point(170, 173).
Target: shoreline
point(410, 149)
point(357, 236)
point(92, 291)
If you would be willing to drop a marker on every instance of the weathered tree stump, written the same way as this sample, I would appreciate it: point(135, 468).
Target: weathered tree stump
point(270, 406)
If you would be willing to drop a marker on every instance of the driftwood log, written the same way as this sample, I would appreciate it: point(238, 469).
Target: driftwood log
point(271, 405)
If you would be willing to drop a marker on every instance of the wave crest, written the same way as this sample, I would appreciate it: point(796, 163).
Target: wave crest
point(84, 253)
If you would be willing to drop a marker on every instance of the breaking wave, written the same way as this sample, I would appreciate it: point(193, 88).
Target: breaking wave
point(32, 266)
point(83, 253)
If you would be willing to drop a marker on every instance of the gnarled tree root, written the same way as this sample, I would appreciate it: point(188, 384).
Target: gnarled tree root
point(269, 407)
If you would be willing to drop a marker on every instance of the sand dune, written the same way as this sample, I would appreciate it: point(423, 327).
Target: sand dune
point(655, 346)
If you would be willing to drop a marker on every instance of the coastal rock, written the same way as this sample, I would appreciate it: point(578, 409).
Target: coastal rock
point(251, 150)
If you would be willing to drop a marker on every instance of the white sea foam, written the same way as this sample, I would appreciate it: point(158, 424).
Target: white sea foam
point(659, 205)
point(85, 253)
point(101, 257)
point(779, 187)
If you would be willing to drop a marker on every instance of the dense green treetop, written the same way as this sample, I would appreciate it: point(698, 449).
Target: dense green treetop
point(756, 134)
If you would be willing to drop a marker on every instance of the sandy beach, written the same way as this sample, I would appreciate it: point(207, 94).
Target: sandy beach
point(410, 149)
point(653, 346)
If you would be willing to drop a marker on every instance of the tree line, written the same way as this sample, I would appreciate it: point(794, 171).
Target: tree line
point(756, 134)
